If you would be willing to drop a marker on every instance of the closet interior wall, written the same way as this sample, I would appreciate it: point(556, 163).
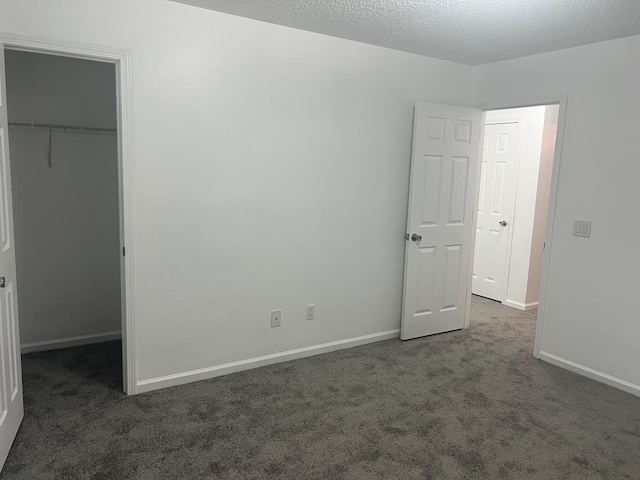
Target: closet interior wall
point(64, 159)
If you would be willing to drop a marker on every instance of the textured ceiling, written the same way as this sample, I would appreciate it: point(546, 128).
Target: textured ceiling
point(465, 31)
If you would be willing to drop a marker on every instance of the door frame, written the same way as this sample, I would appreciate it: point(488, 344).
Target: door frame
point(121, 58)
point(561, 100)
point(520, 120)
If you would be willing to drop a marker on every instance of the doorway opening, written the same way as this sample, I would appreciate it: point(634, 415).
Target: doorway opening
point(517, 158)
point(444, 198)
point(68, 228)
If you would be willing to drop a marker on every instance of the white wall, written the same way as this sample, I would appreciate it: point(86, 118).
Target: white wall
point(591, 316)
point(271, 171)
point(545, 174)
point(65, 217)
point(60, 90)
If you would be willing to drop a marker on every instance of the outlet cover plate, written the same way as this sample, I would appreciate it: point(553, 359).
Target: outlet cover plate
point(311, 311)
point(276, 318)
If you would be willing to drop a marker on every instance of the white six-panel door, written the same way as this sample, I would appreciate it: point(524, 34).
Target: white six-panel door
point(444, 168)
point(495, 205)
point(11, 408)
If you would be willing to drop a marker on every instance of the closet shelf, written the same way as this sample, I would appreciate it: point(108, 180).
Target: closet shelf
point(63, 128)
point(66, 128)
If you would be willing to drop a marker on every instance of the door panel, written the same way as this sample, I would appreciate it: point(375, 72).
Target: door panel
point(452, 280)
point(426, 282)
point(11, 407)
point(443, 174)
point(496, 196)
point(432, 178)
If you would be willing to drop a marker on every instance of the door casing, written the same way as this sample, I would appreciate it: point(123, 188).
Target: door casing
point(121, 58)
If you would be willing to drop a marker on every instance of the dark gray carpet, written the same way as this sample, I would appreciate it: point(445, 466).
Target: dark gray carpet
point(472, 404)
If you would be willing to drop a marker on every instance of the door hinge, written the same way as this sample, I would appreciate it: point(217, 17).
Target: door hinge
point(123, 252)
point(544, 245)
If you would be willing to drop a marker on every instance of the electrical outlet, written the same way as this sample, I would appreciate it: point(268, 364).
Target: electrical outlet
point(311, 312)
point(276, 318)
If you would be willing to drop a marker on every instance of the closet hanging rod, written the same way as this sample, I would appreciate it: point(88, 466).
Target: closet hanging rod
point(66, 128)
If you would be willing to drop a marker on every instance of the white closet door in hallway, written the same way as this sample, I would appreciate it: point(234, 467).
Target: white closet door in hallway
point(495, 209)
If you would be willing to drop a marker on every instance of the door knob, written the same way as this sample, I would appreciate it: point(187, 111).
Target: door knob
point(416, 238)
point(503, 223)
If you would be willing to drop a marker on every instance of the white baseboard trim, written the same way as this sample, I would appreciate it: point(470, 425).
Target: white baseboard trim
point(591, 373)
point(70, 342)
point(525, 307)
point(233, 367)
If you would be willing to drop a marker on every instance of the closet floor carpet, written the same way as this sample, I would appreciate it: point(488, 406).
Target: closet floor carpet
point(470, 404)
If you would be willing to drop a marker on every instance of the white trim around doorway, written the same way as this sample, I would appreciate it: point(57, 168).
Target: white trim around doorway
point(123, 62)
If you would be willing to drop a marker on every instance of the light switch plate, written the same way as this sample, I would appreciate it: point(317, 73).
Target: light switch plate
point(582, 228)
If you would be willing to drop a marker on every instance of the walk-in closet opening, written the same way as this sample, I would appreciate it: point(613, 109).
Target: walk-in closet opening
point(63, 141)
